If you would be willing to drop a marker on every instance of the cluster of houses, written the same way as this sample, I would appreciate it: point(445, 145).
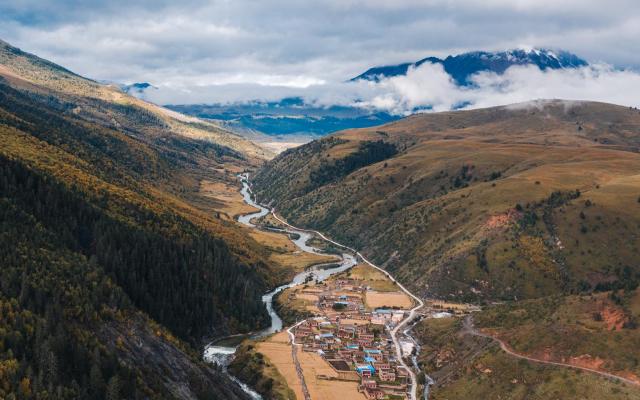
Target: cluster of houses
point(355, 342)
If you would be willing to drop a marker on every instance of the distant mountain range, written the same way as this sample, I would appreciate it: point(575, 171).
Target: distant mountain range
point(461, 67)
point(293, 116)
point(289, 116)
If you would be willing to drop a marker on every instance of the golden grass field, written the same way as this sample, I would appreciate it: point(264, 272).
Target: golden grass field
point(225, 198)
point(293, 299)
point(277, 349)
point(323, 389)
point(375, 299)
point(371, 277)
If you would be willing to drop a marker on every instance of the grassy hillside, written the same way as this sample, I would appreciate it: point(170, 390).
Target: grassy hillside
point(534, 205)
point(502, 203)
point(112, 107)
point(595, 330)
point(114, 267)
point(469, 367)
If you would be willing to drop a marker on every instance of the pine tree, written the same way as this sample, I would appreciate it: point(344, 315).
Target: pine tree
point(113, 388)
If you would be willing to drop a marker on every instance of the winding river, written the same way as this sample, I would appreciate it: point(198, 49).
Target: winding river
point(222, 355)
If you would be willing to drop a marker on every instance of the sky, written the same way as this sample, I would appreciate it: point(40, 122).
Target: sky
point(199, 51)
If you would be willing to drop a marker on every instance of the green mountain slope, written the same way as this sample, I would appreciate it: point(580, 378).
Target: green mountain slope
point(530, 210)
point(112, 271)
point(502, 203)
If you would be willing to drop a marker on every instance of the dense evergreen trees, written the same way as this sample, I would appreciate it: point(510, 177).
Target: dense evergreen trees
point(187, 281)
point(76, 257)
point(68, 266)
point(369, 152)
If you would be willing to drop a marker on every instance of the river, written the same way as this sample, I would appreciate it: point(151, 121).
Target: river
point(222, 355)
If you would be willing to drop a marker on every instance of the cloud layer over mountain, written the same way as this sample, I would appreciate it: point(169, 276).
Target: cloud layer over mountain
point(429, 87)
point(211, 51)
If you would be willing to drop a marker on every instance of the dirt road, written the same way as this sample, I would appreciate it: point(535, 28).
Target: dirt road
point(469, 329)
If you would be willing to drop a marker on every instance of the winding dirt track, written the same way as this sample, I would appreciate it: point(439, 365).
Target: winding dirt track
point(470, 329)
point(296, 362)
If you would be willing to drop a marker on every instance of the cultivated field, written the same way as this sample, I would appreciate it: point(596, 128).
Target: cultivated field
point(388, 299)
point(278, 350)
point(371, 277)
point(323, 389)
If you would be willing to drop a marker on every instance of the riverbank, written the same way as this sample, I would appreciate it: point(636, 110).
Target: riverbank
point(306, 235)
point(312, 264)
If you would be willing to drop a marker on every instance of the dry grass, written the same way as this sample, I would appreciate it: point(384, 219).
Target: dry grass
point(371, 277)
point(279, 147)
point(300, 261)
point(278, 350)
point(387, 299)
point(322, 389)
point(226, 198)
point(307, 297)
point(294, 300)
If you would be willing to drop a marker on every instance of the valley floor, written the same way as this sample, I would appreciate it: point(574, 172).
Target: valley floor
point(455, 353)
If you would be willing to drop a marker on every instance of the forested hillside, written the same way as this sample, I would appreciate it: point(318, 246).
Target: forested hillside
point(112, 275)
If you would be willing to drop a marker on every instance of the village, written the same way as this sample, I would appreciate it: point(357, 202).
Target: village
point(353, 338)
point(339, 345)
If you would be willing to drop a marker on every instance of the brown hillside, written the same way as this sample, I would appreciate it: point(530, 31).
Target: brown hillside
point(502, 203)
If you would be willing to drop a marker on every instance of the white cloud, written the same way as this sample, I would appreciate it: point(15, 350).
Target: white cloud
point(204, 51)
point(429, 86)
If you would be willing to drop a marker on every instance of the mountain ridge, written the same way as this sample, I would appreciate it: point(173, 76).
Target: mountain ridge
point(462, 66)
point(115, 264)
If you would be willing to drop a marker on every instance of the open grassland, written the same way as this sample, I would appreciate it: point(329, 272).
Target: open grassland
point(284, 254)
point(292, 305)
point(371, 277)
point(225, 198)
point(468, 367)
point(501, 203)
point(594, 331)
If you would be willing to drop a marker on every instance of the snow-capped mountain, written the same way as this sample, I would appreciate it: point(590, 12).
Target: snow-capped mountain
point(462, 66)
point(137, 89)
